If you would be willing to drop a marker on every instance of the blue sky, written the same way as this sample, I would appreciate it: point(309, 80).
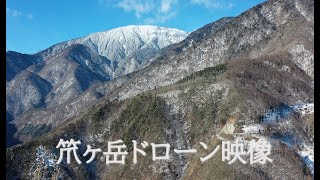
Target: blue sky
point(33, 25)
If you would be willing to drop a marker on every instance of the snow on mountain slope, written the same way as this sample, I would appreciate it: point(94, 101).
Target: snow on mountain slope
point(128, 39)
point(125, 42)
point(119, 43)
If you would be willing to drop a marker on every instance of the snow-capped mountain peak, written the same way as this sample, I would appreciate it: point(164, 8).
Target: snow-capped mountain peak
point(117, 44)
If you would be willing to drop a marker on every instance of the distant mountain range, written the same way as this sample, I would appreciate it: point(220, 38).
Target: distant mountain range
point(248, 77)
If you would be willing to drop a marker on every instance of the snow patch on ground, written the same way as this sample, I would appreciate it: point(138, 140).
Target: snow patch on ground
point(279, 68)
point(277, 114)
point(308, 157)
point(304, 108)
point(303, 12)
point(305, 151)
point(47, 158)
point(252, 129)
point(277, 117)
point(304, 58)
point(284, 111)
point(43, 160)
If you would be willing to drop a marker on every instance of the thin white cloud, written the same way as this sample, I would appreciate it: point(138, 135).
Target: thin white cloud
point(138, 7)
point(166, 5)
point(149, 11)
point(29, 16)
point(213, 4)
point(13, 12)
point(17, 13)
point(160, 11)
point(158, 18)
